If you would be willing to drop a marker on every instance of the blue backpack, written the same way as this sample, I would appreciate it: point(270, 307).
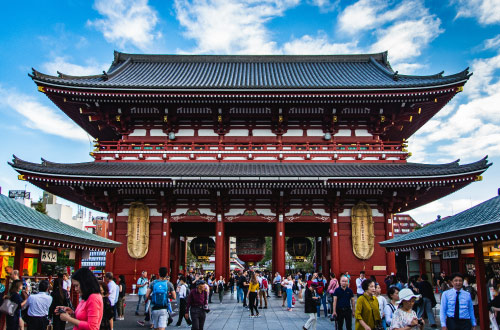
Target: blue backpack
point(159, 296)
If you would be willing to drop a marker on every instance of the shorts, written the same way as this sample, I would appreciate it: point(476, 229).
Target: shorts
point(159, 318)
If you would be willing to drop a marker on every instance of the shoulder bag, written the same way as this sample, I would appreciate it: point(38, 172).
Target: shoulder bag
point(8, 307)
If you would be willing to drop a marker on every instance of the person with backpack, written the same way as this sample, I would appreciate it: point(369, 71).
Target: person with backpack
point(320, 291)
point(263, 290)
point(197, 304)
point(183, 293)
point(220, 288)
point(159, 291)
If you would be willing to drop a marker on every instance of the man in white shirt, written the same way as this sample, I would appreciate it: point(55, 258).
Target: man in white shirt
point(38, 307)
point(359, 281)
point(114, 291)
point(183, 294)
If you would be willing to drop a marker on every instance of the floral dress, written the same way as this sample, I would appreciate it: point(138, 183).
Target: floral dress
point(401, 319)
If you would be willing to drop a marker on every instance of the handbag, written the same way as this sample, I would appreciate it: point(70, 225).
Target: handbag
point(8, 307)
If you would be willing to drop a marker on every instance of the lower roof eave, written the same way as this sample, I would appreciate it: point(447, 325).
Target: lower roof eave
point(37, 234)
point(474, 234)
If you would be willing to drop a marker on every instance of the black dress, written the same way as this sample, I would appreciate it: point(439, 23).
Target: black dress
point(107, 314)
point(57, 324)
point(310, 303)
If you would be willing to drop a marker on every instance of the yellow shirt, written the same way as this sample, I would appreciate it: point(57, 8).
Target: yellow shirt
point(253, 287)
point(367, 310)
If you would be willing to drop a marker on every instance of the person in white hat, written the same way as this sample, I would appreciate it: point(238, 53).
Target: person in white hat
point(405, 317)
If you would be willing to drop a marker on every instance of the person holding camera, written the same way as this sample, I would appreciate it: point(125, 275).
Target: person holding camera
point(88, 313)
point(197, 304)
point(405, 318)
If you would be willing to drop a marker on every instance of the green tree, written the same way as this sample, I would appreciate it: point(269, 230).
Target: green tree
point(40, 207)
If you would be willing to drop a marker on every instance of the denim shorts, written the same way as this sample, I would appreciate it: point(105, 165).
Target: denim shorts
point(159, 318)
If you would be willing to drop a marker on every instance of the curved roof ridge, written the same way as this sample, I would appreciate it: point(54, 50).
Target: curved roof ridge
point(37, 74)
point(462, 74)
point(120, 57)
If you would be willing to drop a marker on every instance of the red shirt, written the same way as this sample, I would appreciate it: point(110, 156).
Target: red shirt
point(196, 299)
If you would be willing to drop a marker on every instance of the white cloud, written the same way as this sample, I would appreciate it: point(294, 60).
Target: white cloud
point(62, 65)
point(492, 43)
point(231, 27)
point(318, 45)
point(325, 5)
point(485, 11)
point(127, 22)
point(444, 207)
point(40, 117)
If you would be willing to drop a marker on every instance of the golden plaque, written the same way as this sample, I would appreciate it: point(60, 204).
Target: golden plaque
point(363, 236)
point(138, 230)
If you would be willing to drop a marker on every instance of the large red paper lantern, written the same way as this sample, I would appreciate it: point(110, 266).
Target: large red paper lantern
point(250, 249)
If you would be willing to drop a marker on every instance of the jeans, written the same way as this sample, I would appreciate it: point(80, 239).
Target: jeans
point(289, 295)
point(239, 294)
point(311, 322)
point(344, 314)
point(198, 316)
point(245, 291)
point(252, 299)
point(232, 289)
point(141, 297)
point(427, 306)
point(323, 301)
point(221, 294)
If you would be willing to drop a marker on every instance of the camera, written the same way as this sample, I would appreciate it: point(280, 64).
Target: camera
point(420, 322)
point(61, 310)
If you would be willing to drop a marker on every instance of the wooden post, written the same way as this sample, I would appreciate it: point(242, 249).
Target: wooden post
point(19, 257)
point(334, 245)
point(280, 247)
point(484, 320)
point(165, 243)
point(324, 261)
point(78, 264)
point(219, 247)
point(389, 234)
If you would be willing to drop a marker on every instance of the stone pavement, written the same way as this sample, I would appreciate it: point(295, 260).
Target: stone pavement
point(230, 315)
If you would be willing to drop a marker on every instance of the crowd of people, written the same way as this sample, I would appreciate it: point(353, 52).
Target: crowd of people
point(102, 303)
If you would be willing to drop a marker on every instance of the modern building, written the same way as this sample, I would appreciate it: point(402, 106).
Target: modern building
point(251, 146)
point(404, 224)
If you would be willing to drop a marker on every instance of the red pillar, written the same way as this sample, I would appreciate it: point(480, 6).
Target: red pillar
point(219, 247)
point(111, 234)
point(227, 263)
point(484, 320)
point(334, 246)
point(389, 234)
point(273, 256)
point(280, 247)
point(175, 270)
point(165, 242)
point(324, 261)
point(19, 257)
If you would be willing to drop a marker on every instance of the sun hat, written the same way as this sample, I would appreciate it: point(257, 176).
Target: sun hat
point(407, 294)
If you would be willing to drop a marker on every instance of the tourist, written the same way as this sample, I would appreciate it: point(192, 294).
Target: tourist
point(348, 278)
point(359, 281)
point(405, 317)
point(382, 303)
point(142, 285)
point(428, 300)
point(210, 281)
point(107, 314)
point(66, 283)
point(253, 291)
point(231, 284)
point(182, 290)
point(311, 300)
point(38, 307)
point(88, 313)
point(454, 316)
point(320, 291)
point(220, 288)
point(159, 291)
point(197, 304)
point(288, 284)
point(113, 293)
point(60, 297)
point(366, 314)
point(277, 284)
point(390, 308)
point(332, 286)
point(172, 294)
point(343, 304)
point(12, 322)
point(147, 314)
point(244, 286)
point(441, 278)
point(121, 297)
point(264, 285)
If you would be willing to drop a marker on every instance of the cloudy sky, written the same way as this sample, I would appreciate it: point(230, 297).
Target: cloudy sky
point(422, 37)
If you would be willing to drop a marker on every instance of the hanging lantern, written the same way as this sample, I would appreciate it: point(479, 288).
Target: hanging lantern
point(250, 249)
point(202, 248)
point(299, 248)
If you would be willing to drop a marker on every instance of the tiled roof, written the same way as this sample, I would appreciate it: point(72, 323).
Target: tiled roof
point(195, 170)
point(15, 218)
point(482, 219)
point(265, 72)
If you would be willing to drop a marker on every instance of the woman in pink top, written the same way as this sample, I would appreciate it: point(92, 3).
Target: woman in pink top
point(88, 313)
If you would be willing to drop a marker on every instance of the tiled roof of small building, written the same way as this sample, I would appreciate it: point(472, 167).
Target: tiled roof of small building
point(242, 72)
point(195, 170)
point(16, 218)
point(482, 219)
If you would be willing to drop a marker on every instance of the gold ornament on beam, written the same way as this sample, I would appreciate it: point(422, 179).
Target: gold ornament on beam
point(138, 230)
point(363, 237)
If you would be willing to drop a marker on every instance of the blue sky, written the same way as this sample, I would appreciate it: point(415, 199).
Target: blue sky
point(422, 37)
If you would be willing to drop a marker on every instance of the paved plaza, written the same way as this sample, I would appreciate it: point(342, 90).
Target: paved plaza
point(231, 315)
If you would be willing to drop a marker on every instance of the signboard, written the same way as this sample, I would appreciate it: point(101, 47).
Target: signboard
point(450, 254)
point(48, 256)
point(19, 194)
